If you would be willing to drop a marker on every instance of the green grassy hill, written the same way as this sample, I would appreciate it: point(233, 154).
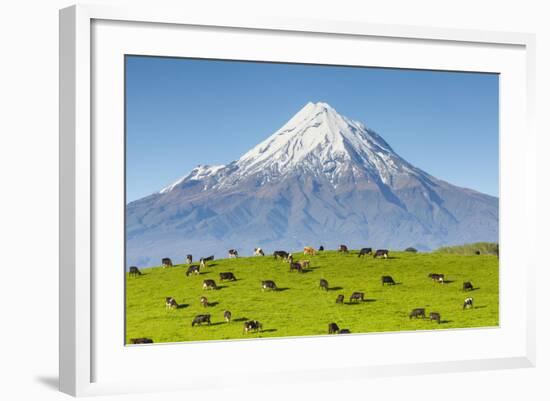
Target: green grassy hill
point(299, 307)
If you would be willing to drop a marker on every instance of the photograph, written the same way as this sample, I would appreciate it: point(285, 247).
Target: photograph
point(273, 199)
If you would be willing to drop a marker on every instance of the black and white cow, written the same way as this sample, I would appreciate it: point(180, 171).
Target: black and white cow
point(233, 253)
point(467, 286)
point(171, 303)
point(280, 254)
point(296, 266)
point(252, 325)
point(418, 312)
point(227, 316)
point(208, 258)
point(269, 285)
point(381, 253)
point(193, 269)
point(189, 259)
point(323, 284)
point(387, 280)
point(340, 299)
point(209, 285)
point(437, 277)
point(167, 262)
point(204, 301)
point(435, 316)
point(258, 252)
point(333, 328)
point(468, 303)
point(321, 248)
point(357, 296)
point(200, 319)
point(343, 248)
point(227, 276)
point(134, 271)
point(365, 251)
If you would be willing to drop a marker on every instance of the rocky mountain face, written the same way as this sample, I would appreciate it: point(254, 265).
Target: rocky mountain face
point(320, 179)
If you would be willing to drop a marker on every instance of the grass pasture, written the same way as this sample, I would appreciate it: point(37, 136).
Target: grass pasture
point(299, 307)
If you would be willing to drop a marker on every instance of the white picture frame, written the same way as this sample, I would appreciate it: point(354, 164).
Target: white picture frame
point(93, 360)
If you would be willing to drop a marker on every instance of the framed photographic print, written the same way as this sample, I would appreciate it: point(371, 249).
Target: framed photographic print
point(272, 188)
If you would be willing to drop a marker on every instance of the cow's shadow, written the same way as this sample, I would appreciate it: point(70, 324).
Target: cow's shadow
point(445, 321)
point(268, 331)
point(335, 288)
point(182, 306)
point(279, 289)
point(479, 306)
point(448, 281)
point(240, 319)
point(213, 303)
point(217, 323)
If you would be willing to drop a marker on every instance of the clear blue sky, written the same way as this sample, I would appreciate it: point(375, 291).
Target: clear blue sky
point(183, 112)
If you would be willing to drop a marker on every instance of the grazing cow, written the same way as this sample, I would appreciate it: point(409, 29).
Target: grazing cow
point(171, 303)
point(296, 266)
point(387, 280)
point(167, 262)
point(321, 248)
point(333, 328)
point(258, 252)
point(468, 303)
point(437, 277)
point(343, 248)
point(357, 296)
point(411, 249)
point(252, 325)
point(189, 259)
point(467, 286)
point(227, 276)
point(134, 271)
point(308, 250)
point(280, 254)
point(209, 285)
point(233, 253)
point(323, 284)
point(204, 301)
point(381, 253)
point(193, 269)
point(290, 258)
point(365, 251)
point(269, 285)
point(435, 316)
point(227, 316)
point(142, 340)
point(478, 252)
point(418, 312)
point(340, 299)
point(200, 319)
point(304, 263)
point(344, 331)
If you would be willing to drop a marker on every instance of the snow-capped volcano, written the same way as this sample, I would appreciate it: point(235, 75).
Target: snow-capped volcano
point(320, 178)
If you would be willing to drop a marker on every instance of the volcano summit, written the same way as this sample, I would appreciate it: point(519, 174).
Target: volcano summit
point(322, 178)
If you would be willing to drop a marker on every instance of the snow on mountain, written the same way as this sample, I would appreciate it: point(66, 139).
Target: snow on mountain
point(320, 178)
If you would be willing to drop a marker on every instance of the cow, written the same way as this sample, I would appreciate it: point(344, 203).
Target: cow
point(296, 266)
point(387, 280)
point(202, 264)
point(208, 258)
point(142, 340)
point(343, 248)
point(204, 301)
point(209, 285)
point(323, 284)
point(269, 285)
point(478, 252)
point(252, 325)
point(167, 262)
point(227, 316)
point(304, 263)
point(418, 312)
point(189, 259)
point(258, 252)
point(411, 249)
point(227, 276)
point(467, 286)
point(344, 331)
point(200, 319)
point(340, 299)
point(171, 303)
point(308, 250)
point(290, 258)
point(193, 269)
point(437, 277)
point(280, 254)
point(321, 248)
point(381, 253)
point(333, 328)
point(233, 253)
point(357, 296)
point(365, 251)
point(468, 303)
point(435, 316)
point(134, 271)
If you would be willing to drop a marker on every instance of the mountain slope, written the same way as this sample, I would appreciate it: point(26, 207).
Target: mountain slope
point(320, 179)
